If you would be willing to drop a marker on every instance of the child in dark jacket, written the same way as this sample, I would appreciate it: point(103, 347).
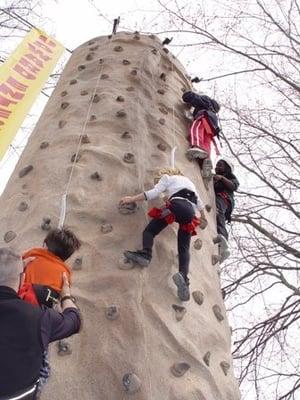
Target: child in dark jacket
point(183, 201)
point(225, 184)
point(42, 276)
point(205, 124)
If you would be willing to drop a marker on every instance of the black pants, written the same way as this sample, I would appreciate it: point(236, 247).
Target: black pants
point(221, 210)
point(184, 213)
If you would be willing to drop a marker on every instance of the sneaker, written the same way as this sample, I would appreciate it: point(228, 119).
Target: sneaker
point(183, 291)
point(196, 152)
point(207, 169)
point(139, 257)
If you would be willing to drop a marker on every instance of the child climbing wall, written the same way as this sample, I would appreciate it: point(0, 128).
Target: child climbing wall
point(183, 201)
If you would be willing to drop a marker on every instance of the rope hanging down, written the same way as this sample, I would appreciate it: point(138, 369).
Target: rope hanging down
point(63, 208)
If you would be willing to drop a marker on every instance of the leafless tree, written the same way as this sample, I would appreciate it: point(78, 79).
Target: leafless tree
point(254, 63)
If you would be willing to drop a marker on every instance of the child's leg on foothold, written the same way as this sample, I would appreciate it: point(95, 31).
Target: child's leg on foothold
point(194, 133)
point(154, 227)
point(221, 210)
point(183, 244)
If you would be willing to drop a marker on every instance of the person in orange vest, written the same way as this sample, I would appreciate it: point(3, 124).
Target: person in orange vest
point(41, 282)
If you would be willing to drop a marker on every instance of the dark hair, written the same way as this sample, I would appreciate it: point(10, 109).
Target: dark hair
point(62, 243)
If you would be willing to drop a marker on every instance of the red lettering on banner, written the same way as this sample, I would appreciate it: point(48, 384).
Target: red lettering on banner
point(34, 59)
point(16, 84)
point(4, 113)
point(23, 72)
point(38, 52)
point(23, 61)
point(48, 41)
point(6, 102)
point(5, 89)
point(42, 46)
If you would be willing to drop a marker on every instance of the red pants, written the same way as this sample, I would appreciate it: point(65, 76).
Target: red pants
point(201, 134)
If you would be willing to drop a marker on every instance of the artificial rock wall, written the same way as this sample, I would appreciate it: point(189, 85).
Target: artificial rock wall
point(138, 341)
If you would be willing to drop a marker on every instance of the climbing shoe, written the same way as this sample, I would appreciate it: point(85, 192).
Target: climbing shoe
point(183, 291)
point(206, 170)
point(140, 257)
point(196, 152)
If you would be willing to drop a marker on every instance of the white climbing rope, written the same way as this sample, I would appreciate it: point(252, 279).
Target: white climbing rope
point(63, 207)
point(173, 157)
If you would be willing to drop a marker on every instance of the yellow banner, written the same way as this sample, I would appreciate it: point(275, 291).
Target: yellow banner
point(22, 78)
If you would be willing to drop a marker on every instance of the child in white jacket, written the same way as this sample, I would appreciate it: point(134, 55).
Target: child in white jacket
point(181, 207)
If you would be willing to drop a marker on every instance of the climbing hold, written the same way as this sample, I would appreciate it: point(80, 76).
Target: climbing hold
point(136, 32)
point(9, 236)
point(131, 383)
point(129, 158)
point(84, 92)
point(96, 98)
point(154, 51)
point(162, 121)
point(129, 208)
point(163, 110)
point(25, 171)
point(162, 146)
point(43, 145)
point(203, 223)
point(183, 89)
point(120, 98)
point(93, 118)
point(163, 76)
point(73, 81)
point(75, 158)
point(96, 176)
point(89, 57)
point(152, 36)
point(126, 62)
point(136, 37)
point(215, 259)
point(125, 264)
point(180, 368)
point(64, 93)
point(206, 170)
point(197, 244)
point(85, 139)
point(23, 206)
point(165, 50)
point(106, 228)
point(130, 89)
point(121, 113)
point(109, 36)
point(64, 348)
point(81, 67)
point(133, 72)
point(217, 239)
point(46, 224)
point(64, 105)
point(91, 42)
point(77, 264)
point(225, 367)
point(112, 312)
point(180, 311)
point(208, 207)
point(62, 123)
point(126, 135)
point(161, 91)
point(218, 312)
point(101, 61)
point(198, 297)
point(94, 48)
point(104, 76)
point(118, 48)
point(206, 358)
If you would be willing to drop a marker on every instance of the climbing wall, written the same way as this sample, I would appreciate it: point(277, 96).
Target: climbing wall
point(115, 115)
